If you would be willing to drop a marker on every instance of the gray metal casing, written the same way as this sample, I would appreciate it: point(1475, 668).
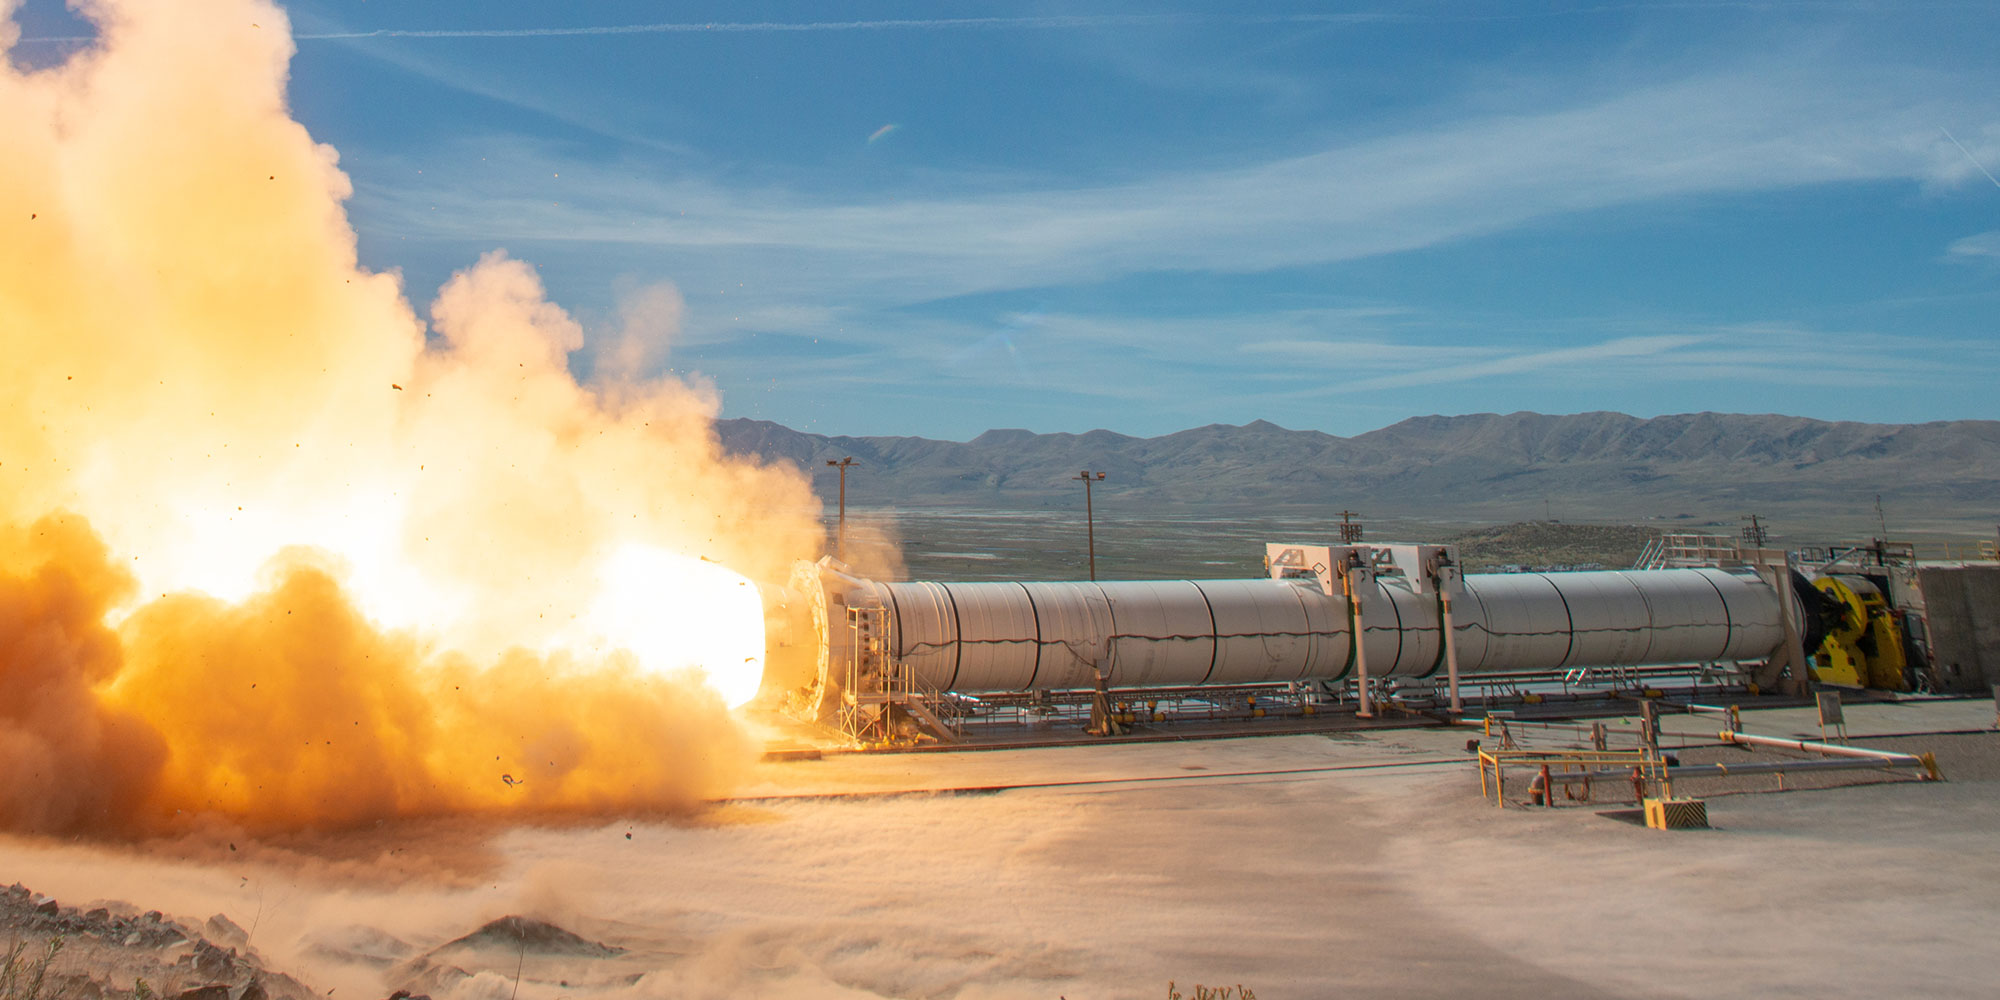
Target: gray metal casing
point(1058, 635)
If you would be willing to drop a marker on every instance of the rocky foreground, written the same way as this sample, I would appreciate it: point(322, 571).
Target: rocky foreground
point(57, 951)
point(49, 951)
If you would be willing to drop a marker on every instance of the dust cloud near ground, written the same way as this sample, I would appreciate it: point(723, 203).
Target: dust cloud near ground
point(1384, 874)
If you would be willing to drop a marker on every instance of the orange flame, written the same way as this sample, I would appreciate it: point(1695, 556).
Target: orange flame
point(281, 553)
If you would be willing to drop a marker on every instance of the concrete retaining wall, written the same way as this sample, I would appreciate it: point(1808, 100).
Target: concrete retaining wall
point(1962, 605)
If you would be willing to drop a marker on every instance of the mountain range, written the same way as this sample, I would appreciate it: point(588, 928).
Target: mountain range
point(1477, 467)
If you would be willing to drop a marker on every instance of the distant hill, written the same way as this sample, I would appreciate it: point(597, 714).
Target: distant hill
point(1488, 467)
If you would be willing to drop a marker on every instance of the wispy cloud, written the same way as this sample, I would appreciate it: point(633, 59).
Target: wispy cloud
point(1079, 22)
point(1314, 361)
point(1050, 22)
point(1781, 353)
point(1979, 246)
point(1361, 355)
point(1558, 359)
point(584, 115)
point(1722, 358)
point(1059, 22)
point(1712, 134)
point(1054, 22)
point(1073, 22)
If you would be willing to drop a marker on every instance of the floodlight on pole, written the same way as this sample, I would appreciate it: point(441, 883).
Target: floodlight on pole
point(840, 531)
point(1090, 516)
point(1350, 529)
point(1756, 533)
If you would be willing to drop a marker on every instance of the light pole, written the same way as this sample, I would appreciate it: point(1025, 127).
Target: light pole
point(1755, 533)
point(1350, 529)
point(840, 532)
point(1090, 517)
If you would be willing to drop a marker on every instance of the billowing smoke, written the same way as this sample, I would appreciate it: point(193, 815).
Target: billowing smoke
point(272, 549)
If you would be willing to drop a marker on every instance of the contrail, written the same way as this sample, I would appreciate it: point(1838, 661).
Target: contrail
point(1969, 156)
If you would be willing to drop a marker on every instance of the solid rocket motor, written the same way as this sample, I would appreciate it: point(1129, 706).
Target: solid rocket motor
point(1299, 625)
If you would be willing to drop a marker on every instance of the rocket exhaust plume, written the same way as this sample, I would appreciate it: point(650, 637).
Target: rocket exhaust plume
point(271, 548)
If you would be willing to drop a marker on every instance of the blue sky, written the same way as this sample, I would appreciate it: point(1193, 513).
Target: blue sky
point(937, 218)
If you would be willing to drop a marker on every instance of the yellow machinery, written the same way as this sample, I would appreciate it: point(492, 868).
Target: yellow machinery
point(1866, 648)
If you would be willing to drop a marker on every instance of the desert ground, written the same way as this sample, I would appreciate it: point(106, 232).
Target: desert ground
point(1350, 864)
point(1136, 545)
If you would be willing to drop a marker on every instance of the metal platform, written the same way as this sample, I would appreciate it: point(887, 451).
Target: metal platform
point(950, 721)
